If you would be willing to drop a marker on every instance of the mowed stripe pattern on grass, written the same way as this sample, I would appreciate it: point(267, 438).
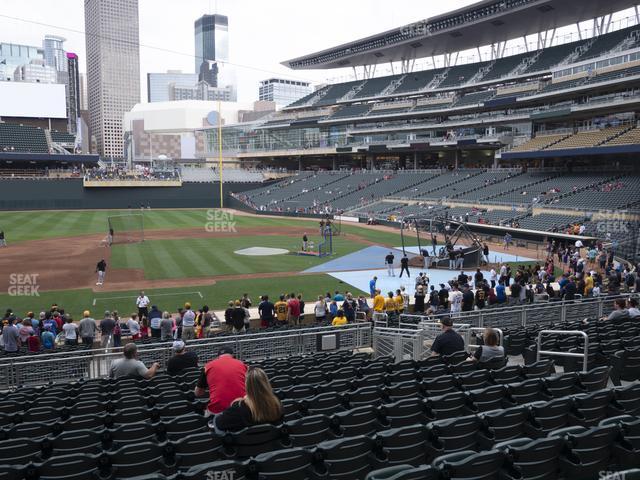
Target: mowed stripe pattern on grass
point(197, 257)
point(21, 226)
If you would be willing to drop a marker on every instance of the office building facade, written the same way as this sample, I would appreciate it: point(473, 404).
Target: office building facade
point(283, 91)
point(113, 69)
point(159, 84)
point(212, 53)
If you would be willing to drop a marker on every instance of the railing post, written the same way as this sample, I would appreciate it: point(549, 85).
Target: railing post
point(584, 355)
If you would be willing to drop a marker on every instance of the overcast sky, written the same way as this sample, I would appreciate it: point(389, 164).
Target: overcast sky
point(262, 33)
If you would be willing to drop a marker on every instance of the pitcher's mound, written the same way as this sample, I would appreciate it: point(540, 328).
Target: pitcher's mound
point(261, 251)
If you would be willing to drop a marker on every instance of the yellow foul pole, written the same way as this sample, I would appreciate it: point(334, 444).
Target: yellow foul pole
point(220, 151)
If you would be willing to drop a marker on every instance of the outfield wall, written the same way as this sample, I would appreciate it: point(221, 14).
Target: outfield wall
point(26, 194)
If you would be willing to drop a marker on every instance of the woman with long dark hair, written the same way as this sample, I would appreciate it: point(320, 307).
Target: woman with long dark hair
point(259, 405)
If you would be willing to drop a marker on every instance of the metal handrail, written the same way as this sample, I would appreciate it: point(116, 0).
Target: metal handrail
point(584, 355)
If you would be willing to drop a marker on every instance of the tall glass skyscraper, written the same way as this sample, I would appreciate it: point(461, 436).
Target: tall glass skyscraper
point(54, 54)
point(212, 51)
point(113, 69)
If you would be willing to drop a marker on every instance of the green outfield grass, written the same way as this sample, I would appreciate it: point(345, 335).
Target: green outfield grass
point(185, 258)
point(34, 225)
point(20, 226)
point(215, 296)
point(201, 257)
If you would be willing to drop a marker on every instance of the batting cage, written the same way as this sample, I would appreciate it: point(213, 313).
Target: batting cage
point(126, 228)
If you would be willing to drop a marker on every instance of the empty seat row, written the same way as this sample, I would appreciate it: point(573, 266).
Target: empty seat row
point(466, 447)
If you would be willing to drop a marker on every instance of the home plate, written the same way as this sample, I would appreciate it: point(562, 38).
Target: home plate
point(261, 251)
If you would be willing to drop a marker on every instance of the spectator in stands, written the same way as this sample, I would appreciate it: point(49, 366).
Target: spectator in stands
point(501, 292)
point(490, 349)
point(443, 297)
point(48, 338)
point(449, 341)
point(181, 359)
point(107, 325)
point(223, 379)
point(632, 309)
point(228, 312)
point(188, 323)
point(155, 318)
point(281, 310)
point(399, 301)
point(25, 330)
point(117, 330)
point(378, 302)
point(619, 312)
point(70, 330)
point(87, 329)
point(363, 306)
point(33, 343)
point(237, 318)
point(340, 319)
point(419, 296)
point(266, 310)
point(293, 309)
point(11, 336)
point(259, 405)
point(166, 327)
point(390, 307)
point(134, 326)
point(320, 310)
point(455, 298)
point(246, 301)
point(349, 307)
point(131, 366)
point(467, 298)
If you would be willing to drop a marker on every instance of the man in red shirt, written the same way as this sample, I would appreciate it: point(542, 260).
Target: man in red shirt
point(293, 310)
point(224, 379)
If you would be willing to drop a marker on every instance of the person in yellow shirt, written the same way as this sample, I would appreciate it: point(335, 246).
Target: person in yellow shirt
point(378, 302)
point(339, 319)
point(281, 310)
point(390, 304)
point(588, 284)
point(399, 302)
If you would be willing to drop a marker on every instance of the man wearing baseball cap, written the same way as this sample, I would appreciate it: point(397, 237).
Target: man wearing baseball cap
point(449, 341)
point(181, 359)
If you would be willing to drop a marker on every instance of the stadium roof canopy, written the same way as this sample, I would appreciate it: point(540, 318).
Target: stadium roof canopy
point(483, 23)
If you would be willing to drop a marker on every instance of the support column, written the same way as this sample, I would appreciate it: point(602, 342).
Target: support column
point(415, 160)
point(299, 163)
point(457, 154)
point(335, 163)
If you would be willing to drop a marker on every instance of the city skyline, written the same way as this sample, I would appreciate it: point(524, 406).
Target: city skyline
point(261, 36)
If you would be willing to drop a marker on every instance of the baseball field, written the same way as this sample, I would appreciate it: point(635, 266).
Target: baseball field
point(186, 255)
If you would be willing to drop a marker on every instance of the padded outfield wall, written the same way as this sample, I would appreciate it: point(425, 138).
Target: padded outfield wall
point(24, 194)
